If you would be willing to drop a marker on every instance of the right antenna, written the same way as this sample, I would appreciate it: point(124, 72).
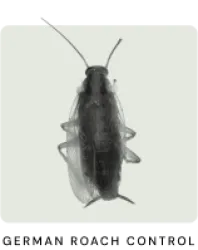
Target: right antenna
point(119, 41)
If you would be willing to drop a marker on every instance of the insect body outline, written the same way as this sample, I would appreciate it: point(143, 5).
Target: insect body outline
point(96, 137)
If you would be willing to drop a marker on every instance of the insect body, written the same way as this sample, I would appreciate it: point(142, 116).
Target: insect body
point(96, 138)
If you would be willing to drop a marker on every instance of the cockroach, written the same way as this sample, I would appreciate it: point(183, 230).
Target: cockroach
point(96, 137)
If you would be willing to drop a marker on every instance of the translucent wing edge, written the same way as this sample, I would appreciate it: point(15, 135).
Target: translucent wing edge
point(81, 186)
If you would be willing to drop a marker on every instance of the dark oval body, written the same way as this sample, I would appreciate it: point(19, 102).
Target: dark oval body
point(99, 135)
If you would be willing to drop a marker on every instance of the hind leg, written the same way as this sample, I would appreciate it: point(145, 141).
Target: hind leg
point(130, 156)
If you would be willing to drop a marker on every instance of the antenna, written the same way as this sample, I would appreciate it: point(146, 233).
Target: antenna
point(119, 41)
point(67, 41)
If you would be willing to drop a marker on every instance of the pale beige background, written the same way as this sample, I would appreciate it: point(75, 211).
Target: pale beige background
point(155, 68)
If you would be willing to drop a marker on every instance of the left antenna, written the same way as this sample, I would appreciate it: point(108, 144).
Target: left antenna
point(67, 41)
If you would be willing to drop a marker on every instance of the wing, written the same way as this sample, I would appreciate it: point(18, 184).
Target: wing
point(121, 119)
point(125, 133)
point(83, 189)
point(119, 111)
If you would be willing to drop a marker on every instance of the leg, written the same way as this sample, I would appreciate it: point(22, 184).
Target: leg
point(129, 133)
point(68, 126)
point(65, 145)
point(130, 156)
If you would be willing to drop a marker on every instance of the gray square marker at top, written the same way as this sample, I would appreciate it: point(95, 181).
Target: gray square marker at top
point(47, 19)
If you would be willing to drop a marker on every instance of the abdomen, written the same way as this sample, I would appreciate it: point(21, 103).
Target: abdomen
point(100, 142)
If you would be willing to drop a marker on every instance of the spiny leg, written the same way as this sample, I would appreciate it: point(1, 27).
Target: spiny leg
point(130, 156)
point(64, 145)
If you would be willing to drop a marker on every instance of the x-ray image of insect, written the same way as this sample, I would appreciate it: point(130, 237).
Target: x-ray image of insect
point(96, 137)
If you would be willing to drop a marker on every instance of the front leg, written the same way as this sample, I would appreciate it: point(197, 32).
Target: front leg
point(69, 126)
